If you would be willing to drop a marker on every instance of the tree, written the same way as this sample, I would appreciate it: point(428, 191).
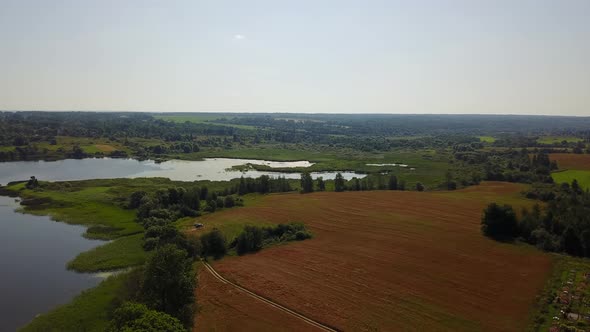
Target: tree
point(229, 201)
point(339, 183)
point(214, 244)
point(169, 283)
point(321, 184)
point(137, 317)
point(306, 183)
point(135, 199)
point(499, 222)
point(419, 186)
point(242, 189)
point(401, 185)
point(191, 199)
point(264, 184)
point(576, 187)
point(452, 185)
point(249, 240)
point(585, 240)
point(571, 242)
point(392, 184)
point(32, 183)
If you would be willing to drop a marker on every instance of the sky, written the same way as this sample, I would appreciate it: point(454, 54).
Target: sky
point(324, 56)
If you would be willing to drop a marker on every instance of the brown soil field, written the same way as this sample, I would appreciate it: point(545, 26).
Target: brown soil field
point(379, 261)
point(224, 308)
point(571, 160)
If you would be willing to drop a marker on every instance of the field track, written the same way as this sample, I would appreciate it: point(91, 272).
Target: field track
point(269, 302)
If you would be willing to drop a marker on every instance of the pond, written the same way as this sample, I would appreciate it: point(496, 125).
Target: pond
point(34, 251)
point(214, 169)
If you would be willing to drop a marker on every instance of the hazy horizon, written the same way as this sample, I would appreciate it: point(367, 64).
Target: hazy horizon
point(341, 57)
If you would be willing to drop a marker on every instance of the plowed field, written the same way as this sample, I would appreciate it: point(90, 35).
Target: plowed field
point(571, 160)
point(379, 261)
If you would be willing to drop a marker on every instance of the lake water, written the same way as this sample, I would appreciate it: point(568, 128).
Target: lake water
point(214, 169)
point(34, 251)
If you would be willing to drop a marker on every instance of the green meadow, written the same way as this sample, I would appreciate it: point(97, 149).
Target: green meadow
point(568, 176)
point(558, 139)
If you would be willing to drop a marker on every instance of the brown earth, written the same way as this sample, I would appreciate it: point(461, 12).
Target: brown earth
point(379, 261)
point(224, 308)
point(571, 160)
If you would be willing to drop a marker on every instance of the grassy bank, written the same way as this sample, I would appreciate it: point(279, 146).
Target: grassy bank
point(120, 253)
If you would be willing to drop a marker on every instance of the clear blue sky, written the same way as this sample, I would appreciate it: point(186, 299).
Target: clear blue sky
point(329, 56)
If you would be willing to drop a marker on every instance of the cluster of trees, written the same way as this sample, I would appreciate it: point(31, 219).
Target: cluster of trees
point(263, 185)
point(369, 182)
point(563, 225)
point(253, 238)
point(509, 165)
point(167, 205)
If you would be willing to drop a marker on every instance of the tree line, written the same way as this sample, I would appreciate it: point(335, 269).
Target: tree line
point(563, 225)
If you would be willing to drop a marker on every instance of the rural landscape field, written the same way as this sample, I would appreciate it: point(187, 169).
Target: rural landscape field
point(254, 166)
point(395, 265)
point(209, 227)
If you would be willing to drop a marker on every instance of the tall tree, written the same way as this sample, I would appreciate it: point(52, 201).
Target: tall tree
point(169, 283)
point(306, 183)
point(339, 183)
point(321, 184)
point(392, 185)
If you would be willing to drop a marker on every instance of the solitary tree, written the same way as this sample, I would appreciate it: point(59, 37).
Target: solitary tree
point(306, 183)
point(392, 185)
point(339, 183)
point(321, 184)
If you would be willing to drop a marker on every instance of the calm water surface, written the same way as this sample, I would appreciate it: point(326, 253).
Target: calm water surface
point(214, 169)
point(34, 251)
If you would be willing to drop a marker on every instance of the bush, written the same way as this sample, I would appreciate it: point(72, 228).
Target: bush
point(229, 201)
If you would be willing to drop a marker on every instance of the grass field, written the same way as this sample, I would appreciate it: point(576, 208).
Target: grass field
point(558, 139)
point(572, 166)
point(382, 260)
point(583, 177)
point(487, 139)
point(199, 118)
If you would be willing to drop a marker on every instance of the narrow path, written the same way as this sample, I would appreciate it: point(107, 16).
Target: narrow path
point(269, 302)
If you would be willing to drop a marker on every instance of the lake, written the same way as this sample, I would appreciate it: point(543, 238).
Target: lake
point(34, 251)
point(214, 169)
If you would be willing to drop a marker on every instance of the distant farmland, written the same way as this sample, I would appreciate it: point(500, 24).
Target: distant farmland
point(379, 260)
point(573, 166)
